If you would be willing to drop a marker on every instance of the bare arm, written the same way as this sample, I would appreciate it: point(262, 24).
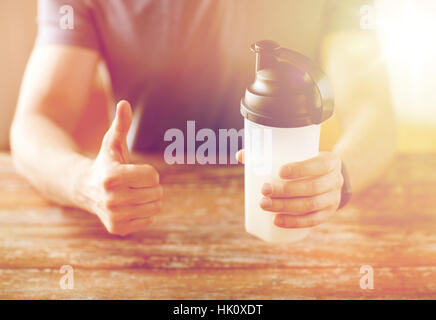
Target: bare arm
point(54, 91)
point(356, 67)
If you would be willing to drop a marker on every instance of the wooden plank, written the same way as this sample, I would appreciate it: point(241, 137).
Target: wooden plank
point(55, 239)
point(300, 283)
point(198, 247)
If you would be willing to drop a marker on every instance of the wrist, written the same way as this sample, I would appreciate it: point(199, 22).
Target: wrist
point(81, 186)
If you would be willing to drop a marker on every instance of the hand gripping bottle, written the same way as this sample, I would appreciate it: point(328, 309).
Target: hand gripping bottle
point(283, 109)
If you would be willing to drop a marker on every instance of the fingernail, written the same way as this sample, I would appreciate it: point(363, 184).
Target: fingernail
point(265, 202)
point(279, 220)
point(266, 189)
point(285, 171)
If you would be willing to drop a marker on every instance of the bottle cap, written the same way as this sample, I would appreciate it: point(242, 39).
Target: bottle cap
point(289, 89)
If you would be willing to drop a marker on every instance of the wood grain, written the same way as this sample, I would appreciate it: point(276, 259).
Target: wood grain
point(197, 248)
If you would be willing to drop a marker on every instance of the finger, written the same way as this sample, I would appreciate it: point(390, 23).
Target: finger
point(114, 141)
point(302, 205)
point(322, 164)
point(306, 221)
point(302, 188)
point(240, 156)
point(137, 225)
point(123, 119)
point(133, 176)
point(131, 226)
point(143, 210)
point(129, 196)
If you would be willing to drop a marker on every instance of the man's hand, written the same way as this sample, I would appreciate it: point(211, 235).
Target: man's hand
point(308, 193)
point(124, 196)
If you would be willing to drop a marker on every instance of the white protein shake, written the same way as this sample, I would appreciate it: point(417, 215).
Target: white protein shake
point(283, 110)
point(287, 145)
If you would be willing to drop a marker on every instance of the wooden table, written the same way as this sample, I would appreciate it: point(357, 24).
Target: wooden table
point(198, 248)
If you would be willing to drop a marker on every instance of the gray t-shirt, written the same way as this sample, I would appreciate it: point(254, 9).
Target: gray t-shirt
point(187, 59)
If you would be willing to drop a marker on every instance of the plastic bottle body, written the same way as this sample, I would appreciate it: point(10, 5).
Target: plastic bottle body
point(266, 150)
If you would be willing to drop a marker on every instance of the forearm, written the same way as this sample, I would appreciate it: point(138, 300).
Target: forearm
point(367, 145)
point(49, 158)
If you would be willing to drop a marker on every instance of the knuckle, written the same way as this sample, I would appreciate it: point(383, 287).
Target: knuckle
point(296, 170)
point(152, 208)
point(157, 206)
point(108, 181)
point(112, 217)
point(330, 161)
point(284, 188)
point(153, 175)
point(280, 205)
point(110, 203)
point(326, 164)
point(300, 222)
point(118, 229)
point(314, 219)
point(107, 139)
point(311, 204)
point(288, 170)
point(317, 186)
point(113, 228)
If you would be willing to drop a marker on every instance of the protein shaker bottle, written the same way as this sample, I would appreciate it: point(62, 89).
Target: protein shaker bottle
point(283, 109)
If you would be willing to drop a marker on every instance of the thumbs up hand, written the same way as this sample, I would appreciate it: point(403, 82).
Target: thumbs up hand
point(124, 196)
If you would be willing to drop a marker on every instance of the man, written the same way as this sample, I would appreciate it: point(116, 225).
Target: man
point(189, 60)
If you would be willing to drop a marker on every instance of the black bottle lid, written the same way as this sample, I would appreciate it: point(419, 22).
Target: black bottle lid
point(289, 89)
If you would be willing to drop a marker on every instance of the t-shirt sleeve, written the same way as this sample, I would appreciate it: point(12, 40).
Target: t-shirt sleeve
point(68, 22)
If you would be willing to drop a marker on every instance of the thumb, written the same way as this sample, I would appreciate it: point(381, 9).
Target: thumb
point(240, 156)
point(114, 142)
